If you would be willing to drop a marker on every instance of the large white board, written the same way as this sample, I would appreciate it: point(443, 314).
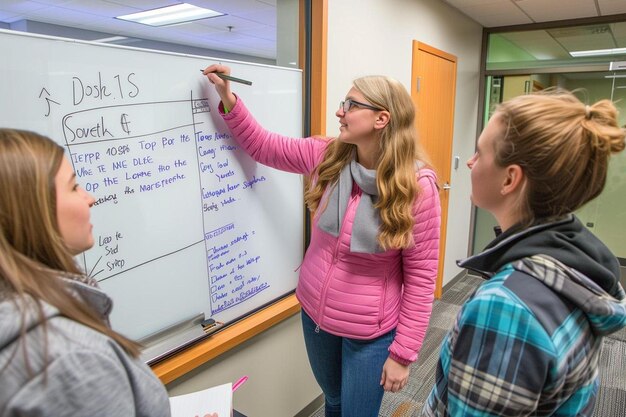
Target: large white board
point(185, 223)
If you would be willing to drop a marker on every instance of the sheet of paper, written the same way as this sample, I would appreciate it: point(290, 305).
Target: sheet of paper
point(206, 402)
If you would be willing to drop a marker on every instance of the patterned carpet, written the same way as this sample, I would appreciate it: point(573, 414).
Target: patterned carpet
point(408, 402)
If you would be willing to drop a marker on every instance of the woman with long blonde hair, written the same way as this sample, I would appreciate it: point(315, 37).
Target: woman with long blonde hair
point(58, 355)
point(367, 281)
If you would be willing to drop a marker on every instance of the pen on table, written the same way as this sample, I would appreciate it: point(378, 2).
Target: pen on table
point(230, 78)
point(240, 382)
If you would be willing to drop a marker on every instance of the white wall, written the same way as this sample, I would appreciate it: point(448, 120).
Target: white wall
point(280, 384)
point(375, 37)
point(364, 37)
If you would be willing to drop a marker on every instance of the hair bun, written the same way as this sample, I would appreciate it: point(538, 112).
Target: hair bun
point(601, 123)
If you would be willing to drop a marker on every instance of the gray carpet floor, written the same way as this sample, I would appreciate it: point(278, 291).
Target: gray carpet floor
point(408, 402)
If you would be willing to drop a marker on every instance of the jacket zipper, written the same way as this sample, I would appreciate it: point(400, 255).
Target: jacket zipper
point(334, 262)
point(382, 302)
point(323, 294)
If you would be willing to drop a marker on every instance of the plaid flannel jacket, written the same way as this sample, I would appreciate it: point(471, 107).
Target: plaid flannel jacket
point(527, 343)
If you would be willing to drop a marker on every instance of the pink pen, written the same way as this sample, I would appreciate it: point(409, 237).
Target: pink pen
point(240, 382)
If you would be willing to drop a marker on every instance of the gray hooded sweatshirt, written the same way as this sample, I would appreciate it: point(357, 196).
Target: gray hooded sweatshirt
point(75, 371)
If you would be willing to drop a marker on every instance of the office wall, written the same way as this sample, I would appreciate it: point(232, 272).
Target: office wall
point(374, 37)
point(281, 382)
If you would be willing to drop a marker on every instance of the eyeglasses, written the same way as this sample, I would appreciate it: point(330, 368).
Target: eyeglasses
point(349, 103)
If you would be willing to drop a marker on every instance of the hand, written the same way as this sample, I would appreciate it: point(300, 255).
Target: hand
point(208, 415)
point(395, 375)
point(221, 86)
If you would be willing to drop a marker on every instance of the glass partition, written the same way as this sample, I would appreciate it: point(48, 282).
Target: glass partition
point(554, 47)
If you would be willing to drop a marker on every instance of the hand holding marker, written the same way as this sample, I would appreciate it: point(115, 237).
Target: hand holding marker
point(230, 78)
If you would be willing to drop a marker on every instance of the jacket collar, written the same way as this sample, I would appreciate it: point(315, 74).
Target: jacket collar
point(483, 262)
point(566, 240)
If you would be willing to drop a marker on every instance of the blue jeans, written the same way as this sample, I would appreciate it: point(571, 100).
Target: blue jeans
point(347, 370)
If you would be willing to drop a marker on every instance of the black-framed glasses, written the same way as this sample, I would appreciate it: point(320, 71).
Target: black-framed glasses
point(349, 103)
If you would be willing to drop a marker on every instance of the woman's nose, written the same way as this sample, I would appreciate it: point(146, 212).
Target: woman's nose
point(470, 162)
point(90, 199)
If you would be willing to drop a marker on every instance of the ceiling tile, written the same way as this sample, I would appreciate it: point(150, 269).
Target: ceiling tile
point(492, 13)
point(268, 33)
point(15, 10)
point(60, 16)
point(99, 8)
point(597, 36)
point(237, 23)
point(236, 7)
point(267, 17)
point(141, 4)
point(50, 2)
point(195, 28)
point(547, 11)
point(608, 7)
point(473, 3)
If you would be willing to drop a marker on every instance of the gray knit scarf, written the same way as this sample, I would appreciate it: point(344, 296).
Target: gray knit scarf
point(367, 220)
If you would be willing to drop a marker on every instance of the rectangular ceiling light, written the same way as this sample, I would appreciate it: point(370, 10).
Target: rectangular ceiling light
point(598, 52)
point(171, 15)
point(110, 39)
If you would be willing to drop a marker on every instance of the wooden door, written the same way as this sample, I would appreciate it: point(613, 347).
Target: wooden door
point(433, 88)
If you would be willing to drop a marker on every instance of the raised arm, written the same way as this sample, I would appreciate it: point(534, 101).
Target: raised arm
point(297, 155)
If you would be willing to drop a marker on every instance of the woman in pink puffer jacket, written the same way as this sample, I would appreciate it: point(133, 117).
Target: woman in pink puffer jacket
point(367, 280)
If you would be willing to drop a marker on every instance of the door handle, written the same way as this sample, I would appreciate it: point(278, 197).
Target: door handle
point(446, 186)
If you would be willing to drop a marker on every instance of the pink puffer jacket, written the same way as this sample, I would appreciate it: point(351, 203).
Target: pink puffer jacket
point(356, 295)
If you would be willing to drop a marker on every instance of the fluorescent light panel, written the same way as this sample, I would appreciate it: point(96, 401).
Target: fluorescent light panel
point(171, 15)
point(598, 52)
point(111, 39)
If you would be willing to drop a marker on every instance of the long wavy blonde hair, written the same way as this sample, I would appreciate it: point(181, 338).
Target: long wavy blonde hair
point(399, 151)
point(32, 253)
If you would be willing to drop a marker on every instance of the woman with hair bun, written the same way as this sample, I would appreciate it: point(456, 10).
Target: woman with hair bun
point(527, 341)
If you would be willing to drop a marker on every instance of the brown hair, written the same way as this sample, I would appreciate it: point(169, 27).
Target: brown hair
point(563, 148)
point(32, 253)
point(399, 152)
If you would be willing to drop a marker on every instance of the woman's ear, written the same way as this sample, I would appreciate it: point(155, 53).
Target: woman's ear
point(382, 119)
point(514, 180)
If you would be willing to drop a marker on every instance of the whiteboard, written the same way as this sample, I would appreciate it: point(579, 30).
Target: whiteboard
point(185, 223)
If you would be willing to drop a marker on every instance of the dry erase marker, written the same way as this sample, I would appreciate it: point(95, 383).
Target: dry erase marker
point(213, 327)
point(240, 382)
point(230, 78)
